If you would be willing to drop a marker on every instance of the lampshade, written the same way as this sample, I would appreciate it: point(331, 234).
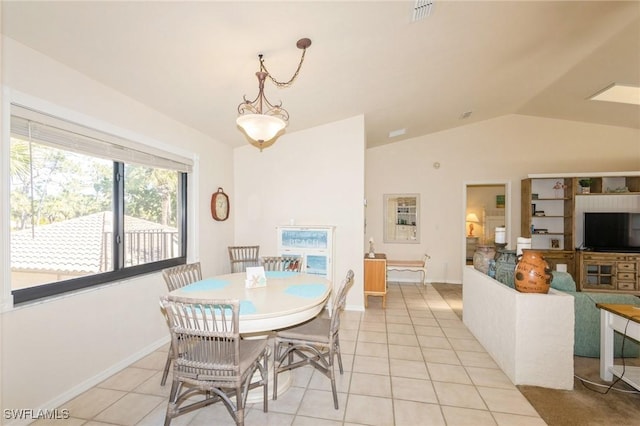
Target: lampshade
point(472, 217)
point(261, 127)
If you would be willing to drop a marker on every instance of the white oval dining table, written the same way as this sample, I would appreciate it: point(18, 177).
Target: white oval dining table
point(289, 298)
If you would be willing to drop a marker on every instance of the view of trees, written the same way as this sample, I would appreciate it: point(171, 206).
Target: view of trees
point(50, 185)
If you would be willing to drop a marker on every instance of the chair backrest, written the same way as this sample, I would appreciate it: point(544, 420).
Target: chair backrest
point(181, 275)
point(282, 263)
point(243, 256)
point(339, 302)
point(205, 336)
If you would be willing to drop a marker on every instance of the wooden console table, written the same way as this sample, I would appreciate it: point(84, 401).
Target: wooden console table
point(375, 277)
point(623, 319)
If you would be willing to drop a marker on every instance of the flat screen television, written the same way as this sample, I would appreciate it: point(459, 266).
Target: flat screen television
point(612, 231)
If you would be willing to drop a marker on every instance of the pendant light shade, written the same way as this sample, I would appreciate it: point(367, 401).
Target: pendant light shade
point(260, 127)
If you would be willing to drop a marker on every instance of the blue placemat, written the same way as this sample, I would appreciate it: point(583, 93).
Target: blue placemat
point(306, 290)
point(246, 307)
point(280, 274)
point(206, 284)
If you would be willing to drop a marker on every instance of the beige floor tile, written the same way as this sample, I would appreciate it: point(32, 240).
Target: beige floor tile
point(369, 410)
point(471, 345)
point(154, 361)
point(505, 419)
point(127, 379)
point(371, 349)
point(405, 352)
point(288, 402)
point(458, 395)
point(370, 384)
point(456, 332)
point(429, 330)
point(506, 401)
point(156, 417)
point(444, 356)
point(450, 322)
point(400, 329)
point(408, 368)
point(371, 365)
point(467, 416)
point(216, 414)
point(413, 390)
point(152, 386)
point(372, 336)
point(130, 409)
point(348, 346)
point(420, 312)
point(90, 403)
point(411, 413)
point(403, 339)
point(322, 382)
point(348, 334)
point(312, 421)
point(301, 376)
point(260, 418)
point(489, 377)
point(398, 319)
point(373, 326)
point(398, 309)
point(476, 359)
point(318, 403)
point(427, 321)
point(434, 342)
point(448, 373)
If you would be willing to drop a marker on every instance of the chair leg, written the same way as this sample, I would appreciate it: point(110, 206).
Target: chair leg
point(167, 366)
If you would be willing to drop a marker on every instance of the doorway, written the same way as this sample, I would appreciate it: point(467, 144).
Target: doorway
point(487, 205)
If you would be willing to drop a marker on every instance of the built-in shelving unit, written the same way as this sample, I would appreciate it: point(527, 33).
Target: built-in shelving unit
point(552, 216)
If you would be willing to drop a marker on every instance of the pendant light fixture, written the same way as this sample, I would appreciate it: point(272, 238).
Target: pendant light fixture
point(261, 121)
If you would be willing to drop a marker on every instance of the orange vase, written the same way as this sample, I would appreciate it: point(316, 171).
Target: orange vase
point(532, 274)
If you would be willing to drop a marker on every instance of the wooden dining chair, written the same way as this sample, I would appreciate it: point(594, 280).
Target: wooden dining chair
point(211, 359)
point(176, 277)
point(315, 342)
point(281, 263)
point(243, 256)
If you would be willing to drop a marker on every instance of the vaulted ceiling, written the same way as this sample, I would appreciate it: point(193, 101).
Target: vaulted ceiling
point(194, 61)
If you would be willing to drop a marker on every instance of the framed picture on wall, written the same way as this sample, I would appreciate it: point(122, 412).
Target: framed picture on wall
point(500, 201)
point(555, 243)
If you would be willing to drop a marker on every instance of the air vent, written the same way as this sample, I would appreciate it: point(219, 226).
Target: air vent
point(421, 10)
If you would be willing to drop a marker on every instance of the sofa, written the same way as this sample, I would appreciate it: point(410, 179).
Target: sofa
point(587, 318)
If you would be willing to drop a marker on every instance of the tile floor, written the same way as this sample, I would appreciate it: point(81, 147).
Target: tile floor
point(413, 363)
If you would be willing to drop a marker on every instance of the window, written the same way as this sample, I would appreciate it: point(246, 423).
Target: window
point(88, 208)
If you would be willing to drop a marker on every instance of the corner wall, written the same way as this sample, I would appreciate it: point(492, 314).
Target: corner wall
point(312, 177)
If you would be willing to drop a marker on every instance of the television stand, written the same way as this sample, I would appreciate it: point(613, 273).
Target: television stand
point(609, 272)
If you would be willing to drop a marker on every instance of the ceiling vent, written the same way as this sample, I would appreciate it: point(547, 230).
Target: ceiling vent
point(421, 10)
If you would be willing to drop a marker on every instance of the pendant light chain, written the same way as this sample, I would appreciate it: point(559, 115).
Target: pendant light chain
point(295, 75)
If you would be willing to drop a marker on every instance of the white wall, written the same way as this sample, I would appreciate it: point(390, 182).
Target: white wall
point(313, 177)
point(56, 349)
point(503, 149)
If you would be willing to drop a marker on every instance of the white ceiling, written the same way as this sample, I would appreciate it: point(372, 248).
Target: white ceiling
point(194, 61)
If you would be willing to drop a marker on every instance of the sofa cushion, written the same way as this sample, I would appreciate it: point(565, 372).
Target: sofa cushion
point(563, 281)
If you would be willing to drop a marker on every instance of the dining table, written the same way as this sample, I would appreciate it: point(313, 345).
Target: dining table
point(288, 298)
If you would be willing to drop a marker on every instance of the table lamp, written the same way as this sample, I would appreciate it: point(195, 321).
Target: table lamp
point(471, 219)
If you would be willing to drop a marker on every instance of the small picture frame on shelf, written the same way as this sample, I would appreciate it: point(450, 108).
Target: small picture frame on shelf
point(555, 243)
point(534, 196)
point(533, 209)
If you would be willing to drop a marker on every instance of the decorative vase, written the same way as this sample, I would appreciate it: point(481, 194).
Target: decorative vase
point(482, 256)
point(506, 266)
point(532, 273)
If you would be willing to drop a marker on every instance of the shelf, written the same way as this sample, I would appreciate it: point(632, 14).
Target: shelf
point(606, 193)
